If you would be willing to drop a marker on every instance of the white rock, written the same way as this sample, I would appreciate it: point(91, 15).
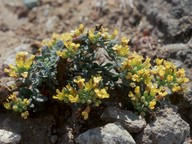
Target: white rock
point(132, 122)
point(112, 133)
point(9, 137)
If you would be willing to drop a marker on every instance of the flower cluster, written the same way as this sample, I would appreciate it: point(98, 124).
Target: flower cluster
point(23, 65)
point(18, 105)
point(69, 66)
point(69, 48)
point(122, 49)
point(85, 92)
point(89, 92)
point(150, 84)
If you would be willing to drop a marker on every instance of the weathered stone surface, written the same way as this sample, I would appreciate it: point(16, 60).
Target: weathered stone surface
point(52, 24)
point(166, 128)
point(9, 137)
point(174, 18)
point(32, 130)
point(132, 122)
point(112, 133)
point(184, 104)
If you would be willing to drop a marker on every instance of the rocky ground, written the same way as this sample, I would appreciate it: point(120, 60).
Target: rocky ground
point(161, 28)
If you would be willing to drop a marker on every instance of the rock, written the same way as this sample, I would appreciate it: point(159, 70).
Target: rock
point(173, 18)
point(184, 104)
point(68, 135)
point(9, 137)
point(52, 24)
point(54, 139)
point(32, 130)
point(132, 122)
point(30, 3)
point(166, 128)
point(112, 133)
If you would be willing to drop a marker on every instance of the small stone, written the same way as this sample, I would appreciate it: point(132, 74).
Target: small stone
point(112, 133)
point(166, 128)
point(9, 137)
point(51, 24)
point(132, 122)
point(54, 139)
point(30, 3)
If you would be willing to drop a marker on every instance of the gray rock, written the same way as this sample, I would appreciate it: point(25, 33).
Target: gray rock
point(112, 133)
point(184, 104)
point(30, 3)
point(174, 18)
point(53, 139)
point(132, 122)
point(167, 128)
point(9, 137)
point(52, 24)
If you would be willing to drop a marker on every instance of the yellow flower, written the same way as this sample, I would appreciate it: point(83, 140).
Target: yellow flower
point(121, 50)
point(13, 97)
point(80, 81)
point(180, 72)
point(60, 96)
point(62, 54)
point(96, 80)
point(74, 47)
point(152, 104)
point(86, 112)
point(131, 94)
point(162, 94)
point(29, 62)
point(24, 74)
point(169, 78)
point(135, 77)
point(185, 80)
point(26, 102)
point(176, 88)
point(147, 63)
point(159, 61)
point(153, 91)
point(13, 74)
point(124, 41)
point(81, 28)
point(73, 99)
point(168, 65)
point(25, 114)
point(92, 36)
point(114, 34)
point(129, 75)
point(101, 93)
point(69, 88)
point(132, 84)
point(55, 36)
point(137, 90)
point(161, 73)
point(7, 105)
point(89, 85)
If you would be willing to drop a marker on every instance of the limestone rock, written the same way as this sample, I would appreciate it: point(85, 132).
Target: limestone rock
point(167, 128)
point(112, 133)
point(132, 122)
point(9, 137)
